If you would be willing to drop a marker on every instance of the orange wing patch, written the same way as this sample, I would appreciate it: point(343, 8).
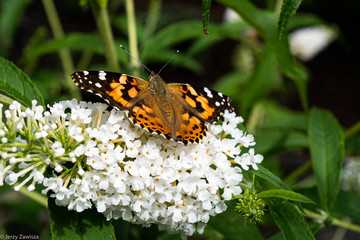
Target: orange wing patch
point(191, 130)
point(143, 117)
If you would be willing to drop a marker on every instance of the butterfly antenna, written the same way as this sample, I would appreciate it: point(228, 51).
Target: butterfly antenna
point(177, 51)
point(135, 59)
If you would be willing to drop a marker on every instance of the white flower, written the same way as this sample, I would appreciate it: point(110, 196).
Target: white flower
point(151, 150)
point(75, 133)
point(90, 149)
point(100, 159)
point(305, 43)
point(57, 148)
point(11, 178)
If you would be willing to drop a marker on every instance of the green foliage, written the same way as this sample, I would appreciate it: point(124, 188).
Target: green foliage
point(14, 83)
point(230, 226)
point(284, 194)
point(9, 18)
point(72, 225)
point(327, 152)
point(289, 220)
point(205, 15)
point(288, 10)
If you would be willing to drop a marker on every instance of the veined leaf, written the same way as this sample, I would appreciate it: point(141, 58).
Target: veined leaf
point(285, 194)
point(289, 220)
point(16, 84)
point(326, 141)
point(270, 177)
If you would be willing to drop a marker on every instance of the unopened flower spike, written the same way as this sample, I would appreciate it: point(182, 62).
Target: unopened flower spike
point(251, 207)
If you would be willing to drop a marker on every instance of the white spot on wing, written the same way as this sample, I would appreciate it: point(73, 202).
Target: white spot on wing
point(90, 82)
point(102, 75)
point(220, 94)
point(208, 92)
point(86, 73)
point(217, 103)
point(98, 85)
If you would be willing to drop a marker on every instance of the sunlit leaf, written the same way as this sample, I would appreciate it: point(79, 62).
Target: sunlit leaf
point(16, 84)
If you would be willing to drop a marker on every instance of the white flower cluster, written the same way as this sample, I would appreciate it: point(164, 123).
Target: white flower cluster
point(350, 178)
point(99, 158)
point(306, 43)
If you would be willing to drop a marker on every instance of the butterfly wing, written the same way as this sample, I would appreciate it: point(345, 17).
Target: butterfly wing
point(120, 90)
point(206, 104)
point(125, 93)
point(198, 107)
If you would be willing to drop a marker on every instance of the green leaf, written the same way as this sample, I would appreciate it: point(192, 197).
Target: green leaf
point(289, 220)
point(270, 177)
point(351, 208)
point(276, 140)
point(265, 23)
point(278, 117)
point(326, 141)
point(16, 84)
point(167, 37)
point(205, 15)
point(285, 194)
point(231, 83)
point(288, 10)
point(260, 83)
point(232, 226)
point(10, 15)
point(304, 20)
point(75, 41)
point(89, 224)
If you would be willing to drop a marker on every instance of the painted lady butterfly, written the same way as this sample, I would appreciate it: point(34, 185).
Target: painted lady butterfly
point(175, 110)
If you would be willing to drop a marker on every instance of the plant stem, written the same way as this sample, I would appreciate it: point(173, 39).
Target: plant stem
point(104, 28)
point(153, 16)
point(6, 100)
point(352, 131)
point(294, 175)
point(37, 197)
point(84, 59)
point(335, 221)
point(133, 45)
point(65, 56)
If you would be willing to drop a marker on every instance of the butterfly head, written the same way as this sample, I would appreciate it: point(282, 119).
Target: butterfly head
point(157, 85)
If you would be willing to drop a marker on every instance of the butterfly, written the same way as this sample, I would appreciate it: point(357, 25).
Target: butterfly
point(175, 110)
